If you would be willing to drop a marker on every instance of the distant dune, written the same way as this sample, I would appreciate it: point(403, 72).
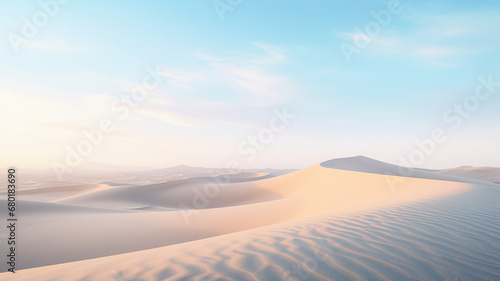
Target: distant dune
point(125, 176)
point(489, 174)
point(344, 219)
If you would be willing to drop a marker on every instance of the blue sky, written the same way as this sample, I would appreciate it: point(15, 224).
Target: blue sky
point(221, 79)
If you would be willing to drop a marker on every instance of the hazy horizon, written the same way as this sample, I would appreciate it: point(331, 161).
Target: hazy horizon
point(90, 166)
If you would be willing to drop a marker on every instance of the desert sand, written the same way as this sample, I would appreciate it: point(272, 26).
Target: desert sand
point(344, 219)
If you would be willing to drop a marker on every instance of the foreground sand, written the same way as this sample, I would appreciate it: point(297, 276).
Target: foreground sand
point(342, 220)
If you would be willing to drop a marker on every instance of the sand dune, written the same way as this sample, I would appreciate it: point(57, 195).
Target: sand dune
point(127, 176)
point(488, 174)
point(445, 239)
point(339, 219)
point(366, 165)
point(58, 192)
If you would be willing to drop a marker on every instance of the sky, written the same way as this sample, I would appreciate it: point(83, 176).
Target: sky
point(264, 84)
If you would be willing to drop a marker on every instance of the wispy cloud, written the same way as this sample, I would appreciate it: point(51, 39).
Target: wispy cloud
point(258, 82)
point(249, 76)
point(250, 80)
point(170, 117)
point(272, 55)
point(181, 79)
point(411, 48)
point(53, 45)
point(438, 40)
point(205, 57)
point(253, 77)
point(456, 24)
point(436, 51)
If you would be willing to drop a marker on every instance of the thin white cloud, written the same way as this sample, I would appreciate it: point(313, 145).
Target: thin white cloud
point(407, 47)
point(437, 40)
point(249, 76)
point(252, 75)
point(205, 57)
point(436, 51)
point(181, 79)
point(457, 24)
point(161, 101)
point(52, 45)
point(169, 117)
point(257, 82)
point(248, 79)
point(273, 55)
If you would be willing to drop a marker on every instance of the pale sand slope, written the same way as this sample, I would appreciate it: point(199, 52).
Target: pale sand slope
point(452, 238)
point(397, 242)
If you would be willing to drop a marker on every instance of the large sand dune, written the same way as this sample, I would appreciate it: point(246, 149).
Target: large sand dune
point(343, 219)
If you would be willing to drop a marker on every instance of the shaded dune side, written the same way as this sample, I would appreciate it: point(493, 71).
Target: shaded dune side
point(454, 238)
point(55, 192)
point(490, 174)
point(171, 195)
point(71, 188)
point(368, 165)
